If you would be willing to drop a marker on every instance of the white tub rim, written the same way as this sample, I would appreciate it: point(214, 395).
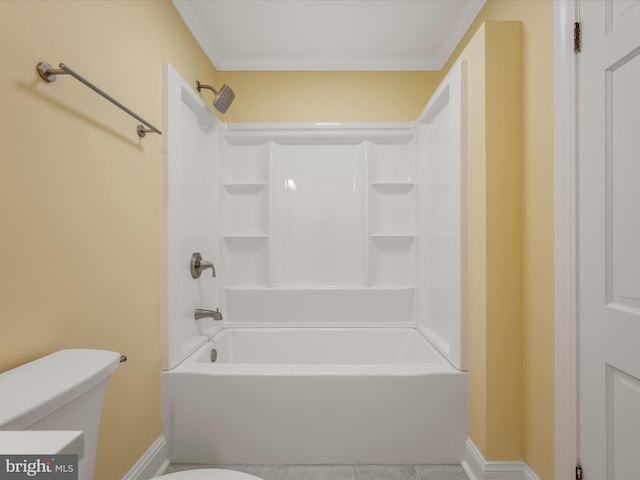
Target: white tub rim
point(194, 364)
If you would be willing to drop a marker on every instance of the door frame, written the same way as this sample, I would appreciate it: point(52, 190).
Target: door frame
point(566, 62)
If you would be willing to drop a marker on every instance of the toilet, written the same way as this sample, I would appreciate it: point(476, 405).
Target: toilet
point(65, 391)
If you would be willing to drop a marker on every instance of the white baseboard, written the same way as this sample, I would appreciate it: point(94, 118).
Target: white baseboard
point(477, 468)
point(529, 474)
point(152, 464)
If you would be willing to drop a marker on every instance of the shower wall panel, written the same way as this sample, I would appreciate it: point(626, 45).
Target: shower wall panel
point(318, 206)
point(192, 217)
point(319, 223)
point(442, 176)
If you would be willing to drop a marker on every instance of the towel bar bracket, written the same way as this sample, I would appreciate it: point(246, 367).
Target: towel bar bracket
point(142, 132)
point(48, 73)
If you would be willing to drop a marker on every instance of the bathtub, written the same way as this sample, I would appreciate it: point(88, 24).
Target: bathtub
point(315, 396)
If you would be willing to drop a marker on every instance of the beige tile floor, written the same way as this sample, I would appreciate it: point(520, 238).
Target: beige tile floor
point(340, 472)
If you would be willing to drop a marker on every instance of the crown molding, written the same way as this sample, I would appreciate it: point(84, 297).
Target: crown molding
point(269, 63)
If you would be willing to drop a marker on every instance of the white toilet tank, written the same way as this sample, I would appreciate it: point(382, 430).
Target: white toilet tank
point(62, 391)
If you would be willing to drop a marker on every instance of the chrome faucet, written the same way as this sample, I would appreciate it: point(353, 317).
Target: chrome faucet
point(201, 313)
point(197, 265)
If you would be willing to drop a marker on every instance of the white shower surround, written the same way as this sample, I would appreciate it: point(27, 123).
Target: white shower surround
point(348, 226)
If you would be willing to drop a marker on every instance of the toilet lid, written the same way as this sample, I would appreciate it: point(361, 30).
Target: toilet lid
point(207, 474)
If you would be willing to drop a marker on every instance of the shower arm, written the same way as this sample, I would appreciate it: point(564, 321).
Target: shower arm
point(199, 86)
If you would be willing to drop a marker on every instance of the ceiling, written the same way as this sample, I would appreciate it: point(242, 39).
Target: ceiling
point(328, 34)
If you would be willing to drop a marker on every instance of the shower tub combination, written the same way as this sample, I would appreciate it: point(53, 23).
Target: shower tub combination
point(316, 396)
point(339, 252)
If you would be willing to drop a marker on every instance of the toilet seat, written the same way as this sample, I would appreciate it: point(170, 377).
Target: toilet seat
point(207, 474)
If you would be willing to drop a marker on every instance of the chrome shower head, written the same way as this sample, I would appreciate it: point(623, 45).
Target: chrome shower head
point(223, 97)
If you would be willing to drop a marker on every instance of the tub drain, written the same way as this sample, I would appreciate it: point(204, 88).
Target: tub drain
point(214, 354)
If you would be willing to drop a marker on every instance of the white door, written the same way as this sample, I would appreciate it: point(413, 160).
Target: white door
point(609, 240)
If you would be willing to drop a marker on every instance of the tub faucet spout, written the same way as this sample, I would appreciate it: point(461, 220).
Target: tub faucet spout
point(201, 313)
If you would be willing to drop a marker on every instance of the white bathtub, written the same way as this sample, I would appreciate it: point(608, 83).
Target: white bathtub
point(315, 396)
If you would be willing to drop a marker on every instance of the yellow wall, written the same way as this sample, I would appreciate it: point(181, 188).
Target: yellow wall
point(80, 197)
point(503, 117)
point(537, 225)
point(328, 96)
point(495, 113)
point(503, 124)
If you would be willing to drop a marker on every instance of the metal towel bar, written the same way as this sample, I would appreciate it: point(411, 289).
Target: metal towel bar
point(48, 74)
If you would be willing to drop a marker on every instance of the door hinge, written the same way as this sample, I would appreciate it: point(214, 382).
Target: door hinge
point(578, 472)
point(577, 38)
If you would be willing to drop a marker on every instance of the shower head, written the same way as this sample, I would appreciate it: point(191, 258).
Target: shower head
point(223, 97)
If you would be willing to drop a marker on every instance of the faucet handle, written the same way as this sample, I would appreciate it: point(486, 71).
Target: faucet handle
point(197, 265)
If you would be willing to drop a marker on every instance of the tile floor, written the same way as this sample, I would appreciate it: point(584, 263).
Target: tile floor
point(340, 472)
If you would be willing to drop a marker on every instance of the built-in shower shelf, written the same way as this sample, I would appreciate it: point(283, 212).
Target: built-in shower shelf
point(244, 188)
point(393, 187)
